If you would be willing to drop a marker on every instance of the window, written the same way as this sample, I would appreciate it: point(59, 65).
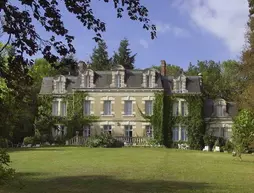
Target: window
point(175, 136)
point(148, 107)
point(149, 131)
point(183, 134)
point(180, 108)
point(178, 86)
point(87, 107)
point(86, 131)
point(63, 109)
point(55, 108)
point(107, 129)
point(179, 133)
point(128, 130)
point(118, 80)
point(87, 81)
point(128, 107)
point(220, 110)
point(107, 108)
point(149, 81)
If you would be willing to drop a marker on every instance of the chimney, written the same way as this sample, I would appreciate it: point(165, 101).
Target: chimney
point(163, 68)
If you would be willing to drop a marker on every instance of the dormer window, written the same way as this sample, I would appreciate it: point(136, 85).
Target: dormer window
point(220, 108)
point(118, 80)
point(149, 78)
point(180, 84)
point(87, 79)
point(118, 74)
point(60, 85)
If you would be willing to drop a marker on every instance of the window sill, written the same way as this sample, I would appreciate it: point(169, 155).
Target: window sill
point(128, 115)
point(107, 115)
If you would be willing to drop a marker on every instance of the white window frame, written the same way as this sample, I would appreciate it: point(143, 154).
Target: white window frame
point(179, 84)
point(149, 131)
point(59, 103)
point(59, 85)
point(133, 101)
point(107, 98)
point(87, 79)
point(151, 75)
point(126, 112)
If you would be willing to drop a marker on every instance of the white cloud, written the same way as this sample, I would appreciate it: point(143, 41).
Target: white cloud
point(168, 28)
point(144, 43)
point(226, 19)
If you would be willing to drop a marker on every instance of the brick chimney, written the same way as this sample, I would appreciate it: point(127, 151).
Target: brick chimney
point(163, 68)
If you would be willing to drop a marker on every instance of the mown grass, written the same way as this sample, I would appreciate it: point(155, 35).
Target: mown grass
point(124, 170)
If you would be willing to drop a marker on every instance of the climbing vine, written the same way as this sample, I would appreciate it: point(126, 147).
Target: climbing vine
point(163, 119)
point(74, 119)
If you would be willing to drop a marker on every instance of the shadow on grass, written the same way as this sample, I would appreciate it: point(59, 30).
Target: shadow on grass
point(36, 149)
point(38, 182)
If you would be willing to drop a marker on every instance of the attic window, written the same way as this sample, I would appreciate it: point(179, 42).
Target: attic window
point(59, 85)
point(118, 80)
point(87, 79)
point(149, 79)
point(220, 108)
point(180, 84)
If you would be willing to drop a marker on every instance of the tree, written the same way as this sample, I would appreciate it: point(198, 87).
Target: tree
point(172, 70)
point(245, 99)
point(100, 59)
point(17, 24)
point(67, 65)
point(243, 131)
point(123, 56)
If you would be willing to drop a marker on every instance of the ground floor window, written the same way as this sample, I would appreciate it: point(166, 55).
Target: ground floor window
point(149, 131)
point(59, 131)
point(86, 131)
point(179, 133)
point(128, 130)
point(107, 129)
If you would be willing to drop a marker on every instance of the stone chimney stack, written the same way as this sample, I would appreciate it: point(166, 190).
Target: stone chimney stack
point(163, 68)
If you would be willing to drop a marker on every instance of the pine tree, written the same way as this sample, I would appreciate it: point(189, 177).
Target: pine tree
point(100, 59)
point(124, 57)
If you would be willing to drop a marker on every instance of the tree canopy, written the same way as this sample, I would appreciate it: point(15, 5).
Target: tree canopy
point(17, 23)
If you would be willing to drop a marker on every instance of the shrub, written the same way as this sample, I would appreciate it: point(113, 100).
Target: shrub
point(28, 140)
point(209, 140)
point(229, 146)
point(3, 142)
point(104, 140)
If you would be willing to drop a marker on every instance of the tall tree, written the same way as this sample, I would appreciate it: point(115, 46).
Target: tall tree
point(67, 65)
point(100, 59)
point(19, 27)
point(124, 56)
point(245, 99)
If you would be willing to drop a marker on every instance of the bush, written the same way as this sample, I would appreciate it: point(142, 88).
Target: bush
point(28, 140)
point(229, 146)
point(6, 173)
point(3, 142)
point(104, 140)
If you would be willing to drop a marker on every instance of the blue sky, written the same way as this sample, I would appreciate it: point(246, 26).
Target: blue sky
point(188, 30)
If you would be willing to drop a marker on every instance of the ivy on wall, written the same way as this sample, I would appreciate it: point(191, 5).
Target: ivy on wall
point(74, 119)
point(163, 119)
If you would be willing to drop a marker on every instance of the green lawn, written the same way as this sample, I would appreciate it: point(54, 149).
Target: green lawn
point(142, 170)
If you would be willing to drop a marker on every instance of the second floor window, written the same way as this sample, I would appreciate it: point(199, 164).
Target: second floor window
point(128, 107)
point(149, 107)
point(180, 108)
point(107, 107)
point(59, 108)
point(87, 107)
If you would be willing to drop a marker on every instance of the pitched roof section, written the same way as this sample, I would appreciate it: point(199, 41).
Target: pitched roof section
point(102, 80)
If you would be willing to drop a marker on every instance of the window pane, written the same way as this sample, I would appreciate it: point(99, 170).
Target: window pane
point(87, 107)
point(107, 129)
point(86, 131)
point(149, 131)
point(128, 107)
point(55, 108)
point(175, 132)
point(107, 108)
point(183, 134)
point(148, 107)
point(87, 80)
point(118, 80)
point(147, 81)
point(63, 109)
point(128, 130)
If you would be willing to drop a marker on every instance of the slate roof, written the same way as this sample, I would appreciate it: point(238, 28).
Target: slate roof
point(102, 79)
